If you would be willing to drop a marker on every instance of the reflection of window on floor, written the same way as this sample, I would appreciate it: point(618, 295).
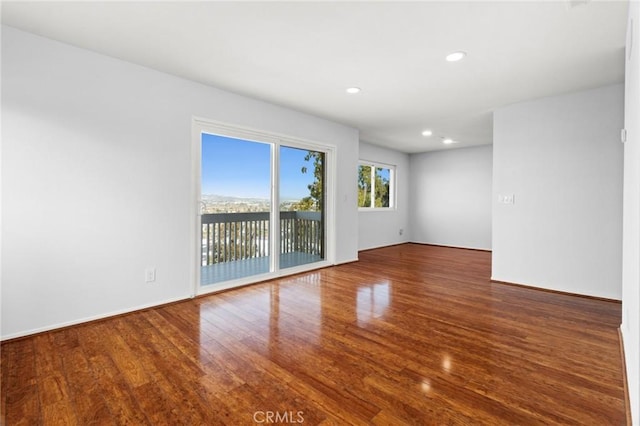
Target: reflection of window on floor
point(376, 186)
point(372, 301)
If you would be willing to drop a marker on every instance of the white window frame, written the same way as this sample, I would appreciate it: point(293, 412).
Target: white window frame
point(392, 185)
point(203, 125)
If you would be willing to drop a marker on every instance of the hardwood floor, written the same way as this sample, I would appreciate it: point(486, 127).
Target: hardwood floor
point(409, 335)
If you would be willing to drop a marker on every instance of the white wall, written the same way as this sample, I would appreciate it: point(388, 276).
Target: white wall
point(451, 197)
point(382, 228)
point(562, 159)
point(97, 180)
point(631, 213)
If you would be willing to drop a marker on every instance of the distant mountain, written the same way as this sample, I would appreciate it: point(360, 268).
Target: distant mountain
point(214, 198)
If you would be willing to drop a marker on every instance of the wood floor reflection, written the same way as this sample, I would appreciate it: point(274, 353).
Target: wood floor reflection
point(411, 334)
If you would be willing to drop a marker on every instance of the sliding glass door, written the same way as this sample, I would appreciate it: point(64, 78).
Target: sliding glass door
point(302, 200)
point(262, 204)
point(235, 204)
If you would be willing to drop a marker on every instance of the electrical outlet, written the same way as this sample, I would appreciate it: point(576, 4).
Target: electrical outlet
point(401, 231)
point(150, 275)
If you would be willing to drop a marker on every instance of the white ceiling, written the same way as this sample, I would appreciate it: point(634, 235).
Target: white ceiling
point(304, 55)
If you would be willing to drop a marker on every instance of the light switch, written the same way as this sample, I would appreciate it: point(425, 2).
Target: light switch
point(506, 198)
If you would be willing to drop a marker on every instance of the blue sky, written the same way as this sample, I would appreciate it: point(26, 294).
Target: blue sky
point(239, 168)
point(383, 173)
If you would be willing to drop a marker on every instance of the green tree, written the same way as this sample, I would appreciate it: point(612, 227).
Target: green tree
point(381, 189)
point(380, 186)
point(315, 199)
point(364, 186)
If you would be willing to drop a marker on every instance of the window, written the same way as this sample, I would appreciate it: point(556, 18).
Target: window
point(265, 205)
point(376, 185)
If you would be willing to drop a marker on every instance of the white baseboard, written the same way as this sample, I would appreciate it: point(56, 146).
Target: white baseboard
point(89, 319)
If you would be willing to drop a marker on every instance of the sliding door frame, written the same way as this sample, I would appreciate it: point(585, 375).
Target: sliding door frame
point(203, 125)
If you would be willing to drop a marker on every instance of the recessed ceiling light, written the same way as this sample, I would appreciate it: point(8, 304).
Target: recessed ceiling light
point(448, 141)
point(456, 56)
point(427, 133)
point(353, 90)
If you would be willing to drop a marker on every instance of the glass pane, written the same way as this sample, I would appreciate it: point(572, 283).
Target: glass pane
point(236, 206)
point(301, 206)
point(383, 177)
point(364, 186)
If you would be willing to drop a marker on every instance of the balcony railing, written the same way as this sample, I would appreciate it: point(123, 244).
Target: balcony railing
point(228, 237)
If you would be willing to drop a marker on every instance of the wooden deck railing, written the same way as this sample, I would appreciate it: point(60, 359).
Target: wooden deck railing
point(235, 236)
